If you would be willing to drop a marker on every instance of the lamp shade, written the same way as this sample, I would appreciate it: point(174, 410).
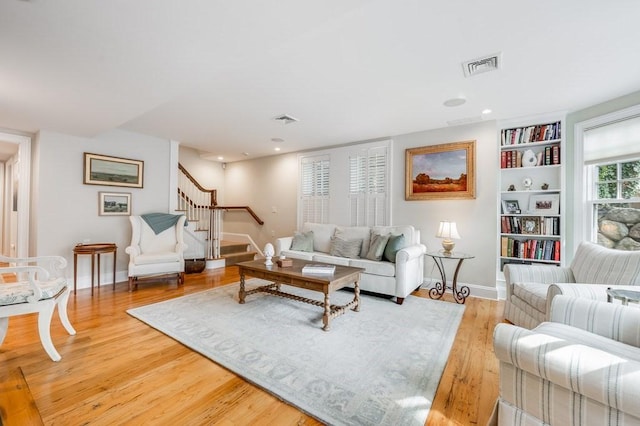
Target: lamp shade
point(448, 230)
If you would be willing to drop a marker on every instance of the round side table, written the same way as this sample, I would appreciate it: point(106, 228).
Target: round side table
point(459, 294)
point(93, 250)
point(625, 296)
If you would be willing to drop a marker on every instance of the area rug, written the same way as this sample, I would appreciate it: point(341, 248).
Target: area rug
point(379, 366)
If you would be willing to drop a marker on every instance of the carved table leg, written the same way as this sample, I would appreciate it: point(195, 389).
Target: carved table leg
point(327, 312)
point(241, 294)
point(356, 298)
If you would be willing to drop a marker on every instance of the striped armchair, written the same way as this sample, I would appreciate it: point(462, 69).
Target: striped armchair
point(531, 288)
point(581, 368)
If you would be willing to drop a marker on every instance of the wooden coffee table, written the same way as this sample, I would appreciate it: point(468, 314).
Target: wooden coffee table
point(293, 276)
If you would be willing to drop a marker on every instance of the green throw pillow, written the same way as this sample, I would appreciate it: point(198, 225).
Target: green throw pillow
point(302, 241)
point(345, 248)
point(377, 246)
point(396, 242)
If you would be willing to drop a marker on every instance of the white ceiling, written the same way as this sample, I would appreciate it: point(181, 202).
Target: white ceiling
point(212, 74)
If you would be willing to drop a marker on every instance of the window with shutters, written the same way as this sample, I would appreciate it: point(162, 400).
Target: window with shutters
point(368, 194)
point(314, 189)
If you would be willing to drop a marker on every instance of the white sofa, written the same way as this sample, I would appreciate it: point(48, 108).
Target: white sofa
point(397, 279)
point(581, 368)
point(531, 288)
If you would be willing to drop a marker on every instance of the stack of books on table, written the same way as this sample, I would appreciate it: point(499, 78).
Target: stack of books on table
point(318, 269)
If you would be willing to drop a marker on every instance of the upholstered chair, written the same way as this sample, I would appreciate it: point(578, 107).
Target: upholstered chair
point(156, 251)
point(39, 287)
point(582, 367)
point(531, 288)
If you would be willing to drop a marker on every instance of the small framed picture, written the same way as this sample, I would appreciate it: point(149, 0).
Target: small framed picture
point(510, 207)
point(546, 204)
point(114, 204)
point(530, 224)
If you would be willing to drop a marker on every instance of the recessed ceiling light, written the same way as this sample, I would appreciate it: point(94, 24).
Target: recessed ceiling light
point(277, 148)
point(486, 111)
point(454, 102)
point(246, 154)
point(220, 158)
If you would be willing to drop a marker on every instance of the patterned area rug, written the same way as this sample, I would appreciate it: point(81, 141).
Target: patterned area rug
point(379, 366)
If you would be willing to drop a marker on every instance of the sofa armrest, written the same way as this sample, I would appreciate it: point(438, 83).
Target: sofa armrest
point(409, 269)
point(543, 274)
point(283, 243)
point(601, 376)
point(614, 321)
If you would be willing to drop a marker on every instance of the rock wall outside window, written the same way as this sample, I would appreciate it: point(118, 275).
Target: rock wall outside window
point(619, 227)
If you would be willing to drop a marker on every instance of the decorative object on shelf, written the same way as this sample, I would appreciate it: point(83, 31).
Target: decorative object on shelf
point(512, 187)
point(530, 225)
point(546, 204)
point(112, 171)
point(544, 186)
point(427, 179)
point(510, 207)
point(269, 252)
point(447, 231)
point(529, 158)
point(527, 182)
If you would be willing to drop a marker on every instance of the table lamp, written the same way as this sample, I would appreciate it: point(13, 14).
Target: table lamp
point(447, 231)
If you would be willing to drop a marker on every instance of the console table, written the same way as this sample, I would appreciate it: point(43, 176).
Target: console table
point(438, 291)
point(93, 250)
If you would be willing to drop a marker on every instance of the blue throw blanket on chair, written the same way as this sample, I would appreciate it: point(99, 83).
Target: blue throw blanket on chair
point(161, 221)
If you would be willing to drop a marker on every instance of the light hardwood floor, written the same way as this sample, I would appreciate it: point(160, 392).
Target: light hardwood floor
point(117, 370)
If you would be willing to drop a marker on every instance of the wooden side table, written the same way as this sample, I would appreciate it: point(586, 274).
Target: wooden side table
point(94, 250)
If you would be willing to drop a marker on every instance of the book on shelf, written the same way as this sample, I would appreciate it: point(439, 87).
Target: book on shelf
point(314, 268)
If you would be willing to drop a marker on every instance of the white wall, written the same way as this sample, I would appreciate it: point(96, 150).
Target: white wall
point(67, 209)
point(209, 174)
point(272, 182)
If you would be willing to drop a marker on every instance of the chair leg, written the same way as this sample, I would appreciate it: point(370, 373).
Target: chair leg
point(62, 312)
point(4, 325)
point(130, 284)
point(180, 278)
point(44, 328)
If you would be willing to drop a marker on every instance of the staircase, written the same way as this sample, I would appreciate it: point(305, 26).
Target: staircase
point(204, 234)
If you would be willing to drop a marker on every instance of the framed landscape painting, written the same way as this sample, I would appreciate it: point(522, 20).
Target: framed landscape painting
point(438, 172)
point(114, 203)
point(112, 171)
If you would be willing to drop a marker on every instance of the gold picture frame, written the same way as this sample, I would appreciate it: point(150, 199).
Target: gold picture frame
point(440, 172)
point(113, 171)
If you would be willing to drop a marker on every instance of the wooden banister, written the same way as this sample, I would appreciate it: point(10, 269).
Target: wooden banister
point(213, 192)
point(246, 208)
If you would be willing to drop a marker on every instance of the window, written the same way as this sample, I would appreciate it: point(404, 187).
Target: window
point(611, 161)
point(368, 187)
point(347, 185)
point(314, 189)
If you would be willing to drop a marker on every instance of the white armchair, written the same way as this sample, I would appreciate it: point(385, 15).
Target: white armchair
point(581, 368)
point(39, 287)
point(152, 253)
point(531, 288)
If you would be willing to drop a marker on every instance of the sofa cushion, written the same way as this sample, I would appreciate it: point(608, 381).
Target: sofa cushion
point(322, 234)
point(395, 243)
point(334, 260)
point(377, 246)
point(355, 233)
point(409, 232)
point(345, 248)
point(386, 269)
point(534, 294)
point(21, 292)
point(302, 241)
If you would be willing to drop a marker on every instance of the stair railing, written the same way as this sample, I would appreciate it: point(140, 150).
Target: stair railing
point(200, 206)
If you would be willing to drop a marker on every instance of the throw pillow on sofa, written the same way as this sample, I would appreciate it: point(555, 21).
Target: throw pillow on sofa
point(394, 245)
point(377, 246)
point(302, 241)
point(345, 248)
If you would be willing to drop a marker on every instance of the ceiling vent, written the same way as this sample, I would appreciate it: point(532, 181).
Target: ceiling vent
point(480, 65)
point(286, 119)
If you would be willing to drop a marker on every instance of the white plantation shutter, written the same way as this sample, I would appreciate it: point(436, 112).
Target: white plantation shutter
point(314, 189)
point(368, 187)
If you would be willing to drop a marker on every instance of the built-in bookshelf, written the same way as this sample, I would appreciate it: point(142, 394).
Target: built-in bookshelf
point(531, 192)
